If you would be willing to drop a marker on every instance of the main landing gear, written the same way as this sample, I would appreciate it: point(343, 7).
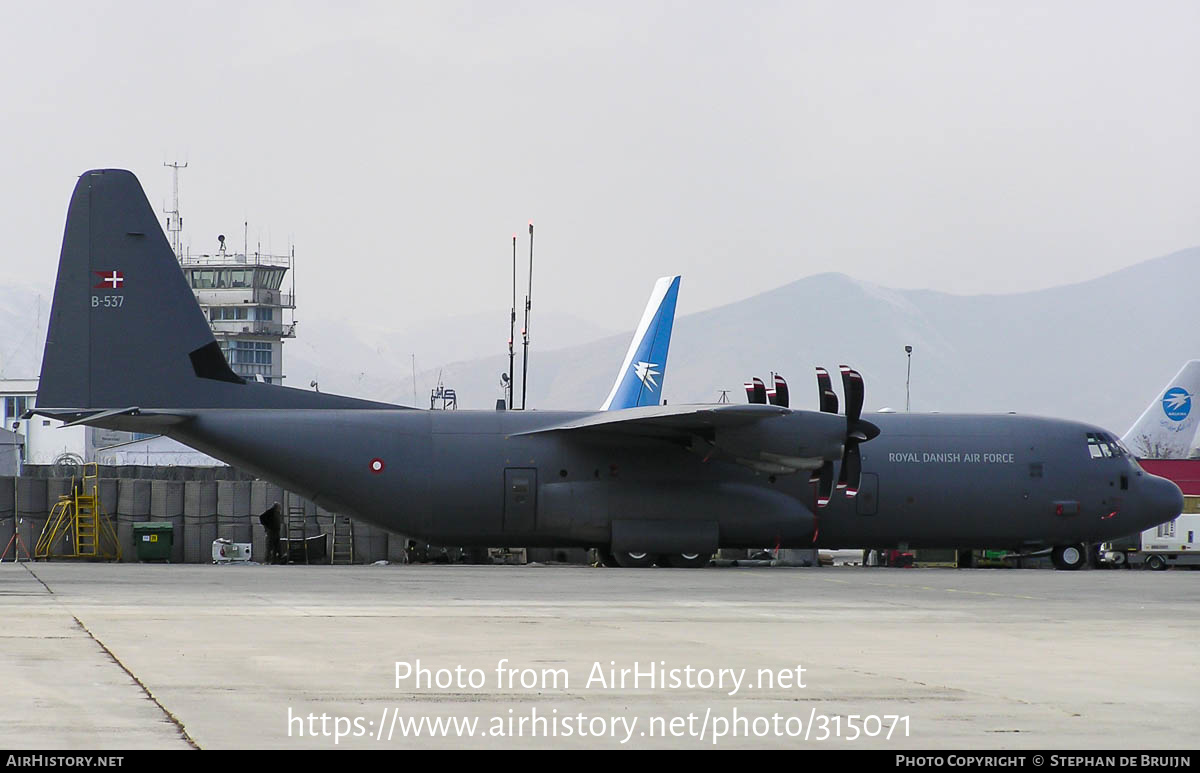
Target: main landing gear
point(1069, 557)
point(628, 560)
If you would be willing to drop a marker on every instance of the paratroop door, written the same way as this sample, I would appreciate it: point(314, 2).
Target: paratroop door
point(520, 499)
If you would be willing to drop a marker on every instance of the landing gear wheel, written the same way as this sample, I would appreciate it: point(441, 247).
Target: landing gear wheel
point(684, 560)
point(1068, 557)
point(1157, 563)
point(634, 560)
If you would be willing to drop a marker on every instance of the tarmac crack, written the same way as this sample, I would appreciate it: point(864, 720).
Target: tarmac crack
point(29, 569)
point(174, 720)
point(166, 712)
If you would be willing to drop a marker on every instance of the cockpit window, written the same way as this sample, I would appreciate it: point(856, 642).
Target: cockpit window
point(1104, 446)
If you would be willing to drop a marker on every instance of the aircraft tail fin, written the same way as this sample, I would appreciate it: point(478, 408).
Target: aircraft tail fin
point(1167, 428)
point(640, 379)
point(125, 329)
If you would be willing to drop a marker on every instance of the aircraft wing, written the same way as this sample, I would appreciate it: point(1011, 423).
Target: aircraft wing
point(662, 420)
point(767, 438)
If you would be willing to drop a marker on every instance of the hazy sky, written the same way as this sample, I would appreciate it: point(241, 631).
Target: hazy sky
point(966, 147)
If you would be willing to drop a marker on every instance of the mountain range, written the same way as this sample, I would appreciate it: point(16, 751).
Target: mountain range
point(1096, 351)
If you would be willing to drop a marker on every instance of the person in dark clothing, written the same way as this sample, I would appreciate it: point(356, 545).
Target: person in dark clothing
point(272, 520)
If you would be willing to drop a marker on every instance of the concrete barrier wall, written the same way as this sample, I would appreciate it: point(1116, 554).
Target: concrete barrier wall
point(233, 511)
point(8, 488)
point(166, 499)
point(133, 499)
point(8, 516)
point(128, 503)
point(107, 489)
point(264, 494)
point(31, 496)
point(199, 532)
point(396, 552)
point(199, 521)
point(370, 543)
point(31, 510)
point(200, 511)
point(166, 504)
point(199, 498)
point(233, 498)
point(258, 538)
point(55, 489)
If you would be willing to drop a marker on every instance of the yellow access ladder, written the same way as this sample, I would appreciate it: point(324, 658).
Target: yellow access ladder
point(77, 527)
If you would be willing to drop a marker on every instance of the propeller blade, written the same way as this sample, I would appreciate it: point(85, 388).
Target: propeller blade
point(825, 485)
point(760, 392)
point(779, 392)
point(852, 388)
point(829, 400)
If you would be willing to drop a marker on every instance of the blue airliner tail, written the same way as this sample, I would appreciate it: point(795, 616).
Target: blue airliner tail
point(640, 379)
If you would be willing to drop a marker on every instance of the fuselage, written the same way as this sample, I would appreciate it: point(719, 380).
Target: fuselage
point(471, 478)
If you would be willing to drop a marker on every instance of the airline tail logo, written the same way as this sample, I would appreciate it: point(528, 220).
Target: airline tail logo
point(643, 372)
point(1177, 404)
point(646, 373)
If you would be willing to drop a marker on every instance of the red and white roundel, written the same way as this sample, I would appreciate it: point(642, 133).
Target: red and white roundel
point(376, 465)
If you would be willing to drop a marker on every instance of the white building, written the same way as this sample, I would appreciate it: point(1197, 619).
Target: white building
point(245, 303)
point(47, 441)
point(160, 451)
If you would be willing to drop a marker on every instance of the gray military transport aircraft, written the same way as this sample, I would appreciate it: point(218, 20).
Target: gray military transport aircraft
point(128, 348)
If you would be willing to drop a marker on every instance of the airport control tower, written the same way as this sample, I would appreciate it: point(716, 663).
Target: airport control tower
point(244, 298)
point(245, 302)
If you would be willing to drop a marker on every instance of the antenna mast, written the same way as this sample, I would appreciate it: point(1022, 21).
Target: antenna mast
point(174, 220)
point(512, 327)
point(525, 330)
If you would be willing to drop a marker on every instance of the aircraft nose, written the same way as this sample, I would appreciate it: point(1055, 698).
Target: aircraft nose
point(1161, 501)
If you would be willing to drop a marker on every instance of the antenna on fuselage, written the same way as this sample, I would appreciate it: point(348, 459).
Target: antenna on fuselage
point(525, 330)
point(512, 326)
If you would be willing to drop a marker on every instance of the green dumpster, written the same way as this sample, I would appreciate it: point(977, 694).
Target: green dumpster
point(153, 540)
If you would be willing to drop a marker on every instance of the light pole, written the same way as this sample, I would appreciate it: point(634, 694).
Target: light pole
point(908, 381)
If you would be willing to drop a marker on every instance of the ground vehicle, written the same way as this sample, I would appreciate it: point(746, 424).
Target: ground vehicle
point(1173, 543)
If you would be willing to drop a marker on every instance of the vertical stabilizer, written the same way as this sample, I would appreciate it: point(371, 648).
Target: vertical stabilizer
point(640, 379)
point(1167, 428)
point(125, 328)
